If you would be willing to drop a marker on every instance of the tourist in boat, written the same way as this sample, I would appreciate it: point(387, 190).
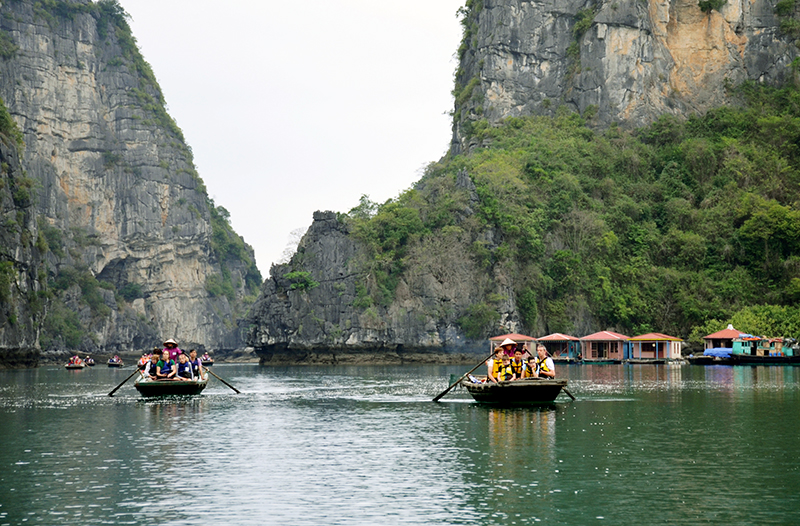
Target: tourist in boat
point(166, 369)
point(506, 370)
point(171, 346)
point(197, 364)
point(184, 368)
point(517, 363)
point(545, 368)
point(151, 367)
point(494, 364)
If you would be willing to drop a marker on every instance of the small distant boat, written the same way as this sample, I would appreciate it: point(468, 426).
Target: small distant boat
point(517, 392)
point(207, 360)
point(89, 361)
point(149, 387)
point(116, 361)
point(75, 365)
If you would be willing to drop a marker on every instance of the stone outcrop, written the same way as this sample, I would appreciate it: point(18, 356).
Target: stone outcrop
point(615, 61)
point(332, 321)
point(131, 250)
point(625, 61)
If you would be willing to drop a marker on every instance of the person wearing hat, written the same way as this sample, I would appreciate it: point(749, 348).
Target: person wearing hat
point(171, 346)
point(495, 364)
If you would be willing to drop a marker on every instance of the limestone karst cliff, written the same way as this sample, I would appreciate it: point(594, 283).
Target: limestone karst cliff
point(22, 269)
point(615, 165)
point(625, 61)
point(136, 249)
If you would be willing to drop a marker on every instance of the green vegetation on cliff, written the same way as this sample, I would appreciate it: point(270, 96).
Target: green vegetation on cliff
point(681, 226)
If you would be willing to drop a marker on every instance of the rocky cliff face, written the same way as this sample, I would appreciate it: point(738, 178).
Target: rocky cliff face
point(130, 228)
point(625, 61)
point(348, 292)
point(22, 275)
point(317, 308)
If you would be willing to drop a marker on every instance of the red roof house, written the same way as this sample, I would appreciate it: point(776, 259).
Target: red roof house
point(604, 345)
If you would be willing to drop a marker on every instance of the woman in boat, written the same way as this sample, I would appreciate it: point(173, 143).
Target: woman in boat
point(545, 368)
point(171, 346)
point(184, 368)
point(165, 369)
point(197, 364)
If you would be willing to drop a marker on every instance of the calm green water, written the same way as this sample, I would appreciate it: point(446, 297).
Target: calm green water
point(364, 445)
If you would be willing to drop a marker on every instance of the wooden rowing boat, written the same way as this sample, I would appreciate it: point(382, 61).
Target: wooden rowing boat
point(517, 392)
point(149, 387)
point(74, 366)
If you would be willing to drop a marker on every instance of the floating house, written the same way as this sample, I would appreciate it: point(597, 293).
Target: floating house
point(721, 339)
point(605, 346)
point(561, 345)
point(518, 338)
point(746, 344)
point(655, 346)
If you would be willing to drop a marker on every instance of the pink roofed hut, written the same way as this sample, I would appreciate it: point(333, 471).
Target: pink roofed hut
point(721, 339)
point(604, 346)
point(655, 346)
point(561, 345)
point(494, 341)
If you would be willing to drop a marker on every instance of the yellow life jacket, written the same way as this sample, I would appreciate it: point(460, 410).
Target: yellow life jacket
point(517, 367)
point(506, 373)
point(497, 365)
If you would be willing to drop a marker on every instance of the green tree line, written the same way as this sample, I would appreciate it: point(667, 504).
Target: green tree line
point(676, 227)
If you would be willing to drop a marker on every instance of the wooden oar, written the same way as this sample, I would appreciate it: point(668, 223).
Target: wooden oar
point(440, 395)
point(123, 382)
point(223, 381)
point(568, 393)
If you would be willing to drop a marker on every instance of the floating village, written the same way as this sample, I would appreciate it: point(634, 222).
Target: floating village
point(726, 347)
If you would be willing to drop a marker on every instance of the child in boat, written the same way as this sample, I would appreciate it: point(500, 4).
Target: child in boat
point(494, 365)
point(184, 368)
point(517, 363)
point(507, 371)
point(151, 368)
point(165, 369)
point(197, 364)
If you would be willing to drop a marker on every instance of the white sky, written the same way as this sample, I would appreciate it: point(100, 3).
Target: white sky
point(296, 106)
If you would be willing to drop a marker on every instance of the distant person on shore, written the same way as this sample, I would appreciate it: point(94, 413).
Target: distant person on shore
point(545, 368)
point(197, 364)
point(184, 368)
point(165, 369)
point(171, 346)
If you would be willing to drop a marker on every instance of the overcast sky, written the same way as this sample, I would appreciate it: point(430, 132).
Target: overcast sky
point(297, 106)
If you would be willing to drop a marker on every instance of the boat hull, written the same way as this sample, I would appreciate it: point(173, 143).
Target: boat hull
point(115, 364)
point(147, 387)
point(519, 392)
point(74, 366)
point(708, 360)
point(745, 359)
